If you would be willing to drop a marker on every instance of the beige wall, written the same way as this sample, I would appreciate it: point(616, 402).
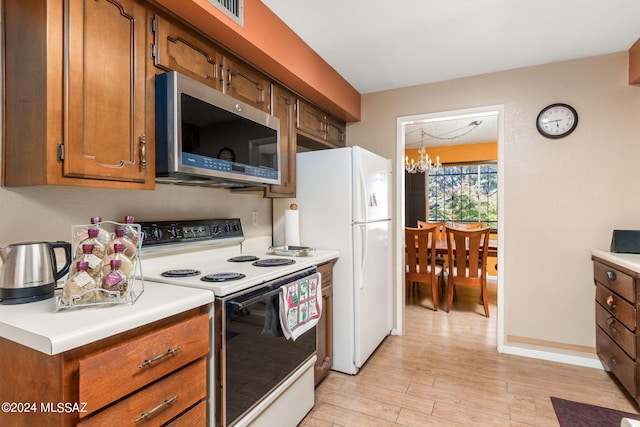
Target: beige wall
point(561, 197)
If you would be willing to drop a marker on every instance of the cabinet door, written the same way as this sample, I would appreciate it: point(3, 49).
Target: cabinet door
point(283, 108)
point(310, 120)
point(105, 97)
point(179, 49)
point(246, 84)
point(324, 331)
point(335, 131)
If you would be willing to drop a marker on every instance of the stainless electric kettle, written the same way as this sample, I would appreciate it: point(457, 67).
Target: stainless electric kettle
point(29, 271)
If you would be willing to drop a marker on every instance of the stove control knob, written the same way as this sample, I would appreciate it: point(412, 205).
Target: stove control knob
point(157, 233)
point(173, 232)
point(227, 228)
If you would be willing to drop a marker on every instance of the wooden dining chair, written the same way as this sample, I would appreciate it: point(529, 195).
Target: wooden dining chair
point(467, 225)
point(467, 256)
point(420, 259)
point(439, 236)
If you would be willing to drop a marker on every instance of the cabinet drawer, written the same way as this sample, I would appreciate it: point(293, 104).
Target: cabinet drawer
point(621, 283)
point(327, 273)
point(159, 402)
point(112, 374)
point(194, 417)
point(616, 330)
point(614, 304)
point(617, 362)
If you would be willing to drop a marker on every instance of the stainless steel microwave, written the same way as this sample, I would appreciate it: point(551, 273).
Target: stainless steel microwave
point(207, 138)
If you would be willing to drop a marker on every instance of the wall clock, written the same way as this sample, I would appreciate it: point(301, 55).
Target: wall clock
point(227, 154)
point(557, 120)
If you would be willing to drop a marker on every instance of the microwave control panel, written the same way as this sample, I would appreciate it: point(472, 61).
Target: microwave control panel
point(163, 232)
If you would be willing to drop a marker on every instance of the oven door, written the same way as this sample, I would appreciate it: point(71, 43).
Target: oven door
point(256, 357)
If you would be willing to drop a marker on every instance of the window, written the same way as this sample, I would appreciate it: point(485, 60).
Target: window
point(464, 193)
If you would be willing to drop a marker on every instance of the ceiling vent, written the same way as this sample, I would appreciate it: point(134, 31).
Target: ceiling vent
point(234, 9)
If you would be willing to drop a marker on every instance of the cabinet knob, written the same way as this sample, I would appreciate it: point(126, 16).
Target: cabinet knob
point(158, 408)
point(611, 275)
point(167, 353)
point(614, 361)
point(612, 325)
point(610, 302)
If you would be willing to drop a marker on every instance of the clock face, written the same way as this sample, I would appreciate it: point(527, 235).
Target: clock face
point(557, 120)
point(227, 154)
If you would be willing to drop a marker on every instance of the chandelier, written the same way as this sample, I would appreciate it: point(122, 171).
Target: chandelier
point(424, 163)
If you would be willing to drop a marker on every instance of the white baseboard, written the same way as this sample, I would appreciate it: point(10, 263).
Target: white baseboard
point(586, 360)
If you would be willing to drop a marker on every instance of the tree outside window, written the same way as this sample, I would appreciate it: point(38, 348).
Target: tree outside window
point(464, 193)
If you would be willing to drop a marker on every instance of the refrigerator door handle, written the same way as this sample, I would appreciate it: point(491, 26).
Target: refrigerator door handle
point(363, 254)
point(364, 214)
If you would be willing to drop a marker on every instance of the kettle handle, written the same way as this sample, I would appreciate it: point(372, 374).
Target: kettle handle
point(67, 253)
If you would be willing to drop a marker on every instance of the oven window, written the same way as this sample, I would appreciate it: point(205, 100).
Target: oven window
point(258, 357)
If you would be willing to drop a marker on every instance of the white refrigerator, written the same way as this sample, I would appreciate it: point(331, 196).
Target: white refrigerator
point(343, 200)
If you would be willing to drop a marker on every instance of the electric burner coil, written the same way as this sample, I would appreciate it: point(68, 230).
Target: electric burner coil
point(243, 258)
point(274, 262)
point(181, 272)
point(222, 277)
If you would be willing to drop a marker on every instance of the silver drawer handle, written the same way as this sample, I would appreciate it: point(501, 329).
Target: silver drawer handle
point(611, 275)
point(161, 356)
point(160, 407)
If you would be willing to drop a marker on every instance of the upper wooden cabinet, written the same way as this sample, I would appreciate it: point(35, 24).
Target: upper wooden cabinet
point(75, 87)
point(284, 103)
point(319, 130)
point(245, 83)
point(176, 48)
point(335, 131)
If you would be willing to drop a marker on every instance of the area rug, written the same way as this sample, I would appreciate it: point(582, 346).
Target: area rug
point(575, 414)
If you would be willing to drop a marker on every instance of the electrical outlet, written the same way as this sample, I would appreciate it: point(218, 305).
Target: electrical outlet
point(254, 217)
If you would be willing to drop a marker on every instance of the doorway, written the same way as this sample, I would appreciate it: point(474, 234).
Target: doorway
point(407, 122)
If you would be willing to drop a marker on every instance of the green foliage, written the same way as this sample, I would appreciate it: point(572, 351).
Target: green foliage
point(464, 194)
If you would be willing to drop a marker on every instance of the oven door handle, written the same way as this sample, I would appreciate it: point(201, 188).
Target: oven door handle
point(239, 305)
point(268, 289)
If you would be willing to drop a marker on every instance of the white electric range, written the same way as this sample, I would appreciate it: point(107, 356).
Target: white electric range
point(256, 375)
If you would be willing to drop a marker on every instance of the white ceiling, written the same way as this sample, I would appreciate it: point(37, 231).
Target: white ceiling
point(465, 129)
point(377, 45)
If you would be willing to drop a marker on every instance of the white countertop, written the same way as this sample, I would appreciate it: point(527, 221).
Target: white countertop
point(37, 325)
point(630, 261)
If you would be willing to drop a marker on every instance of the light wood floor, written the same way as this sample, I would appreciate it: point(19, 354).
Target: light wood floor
point(445, 371)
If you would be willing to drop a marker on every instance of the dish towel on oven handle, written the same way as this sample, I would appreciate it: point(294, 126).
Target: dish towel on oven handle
point(300, 305)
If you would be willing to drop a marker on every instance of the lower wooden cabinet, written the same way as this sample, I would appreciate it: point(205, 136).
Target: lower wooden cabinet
point(616, 302)
point(147, 376)
point(324, 328)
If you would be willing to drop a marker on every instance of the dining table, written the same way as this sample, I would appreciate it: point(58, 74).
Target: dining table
point(441, 247)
